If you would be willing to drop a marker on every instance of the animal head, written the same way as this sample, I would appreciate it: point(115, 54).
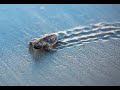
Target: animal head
point(37, 45)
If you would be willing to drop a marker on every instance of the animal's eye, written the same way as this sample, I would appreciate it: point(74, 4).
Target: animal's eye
point(37, 45)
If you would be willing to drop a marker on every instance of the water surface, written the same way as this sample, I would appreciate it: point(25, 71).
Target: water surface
point(89, 54)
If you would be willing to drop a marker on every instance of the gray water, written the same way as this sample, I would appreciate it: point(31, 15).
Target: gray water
point(88, 55)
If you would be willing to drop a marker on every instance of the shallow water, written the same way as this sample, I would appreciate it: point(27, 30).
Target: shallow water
point(93, 30)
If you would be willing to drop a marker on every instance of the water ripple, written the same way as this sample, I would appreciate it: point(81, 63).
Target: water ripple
point(94, 32)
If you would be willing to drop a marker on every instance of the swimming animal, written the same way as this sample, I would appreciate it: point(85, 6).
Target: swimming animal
point(46, 42)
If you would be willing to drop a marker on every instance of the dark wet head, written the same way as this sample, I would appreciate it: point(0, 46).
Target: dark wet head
point(37, 45)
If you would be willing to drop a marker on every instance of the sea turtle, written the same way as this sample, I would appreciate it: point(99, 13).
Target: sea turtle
point(46, 42)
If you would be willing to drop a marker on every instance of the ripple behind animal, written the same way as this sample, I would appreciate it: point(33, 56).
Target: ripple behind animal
point(81, 35)
point(94, 32)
